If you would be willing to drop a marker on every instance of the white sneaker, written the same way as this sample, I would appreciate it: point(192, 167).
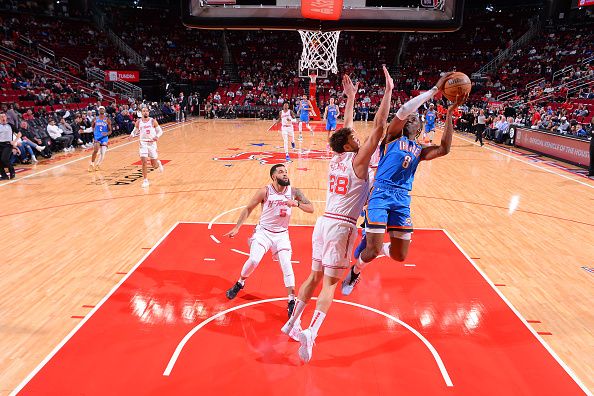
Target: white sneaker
point(66, 150)
point(145, 183)
point(40, 148)
point(292, 332)
point(160, 167)
point(307, 342)
point(79, 141)
point(34, 160)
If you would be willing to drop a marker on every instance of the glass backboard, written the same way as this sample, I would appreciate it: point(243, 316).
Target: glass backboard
point(354, 15)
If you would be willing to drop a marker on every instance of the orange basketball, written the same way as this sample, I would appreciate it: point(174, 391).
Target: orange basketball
point(456, 86)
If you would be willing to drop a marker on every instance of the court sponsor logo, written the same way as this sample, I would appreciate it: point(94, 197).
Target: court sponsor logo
point(123, 176)
point(272, 158)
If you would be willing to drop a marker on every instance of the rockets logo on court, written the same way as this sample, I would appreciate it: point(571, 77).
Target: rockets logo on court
point(272, 158)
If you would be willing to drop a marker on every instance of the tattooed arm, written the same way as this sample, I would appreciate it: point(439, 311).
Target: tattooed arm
point(301, 201)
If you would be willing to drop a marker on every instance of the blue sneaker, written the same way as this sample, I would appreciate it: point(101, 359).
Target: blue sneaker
point(361, 245)
point(287, 158)
point(293, 144)
point(349, 283)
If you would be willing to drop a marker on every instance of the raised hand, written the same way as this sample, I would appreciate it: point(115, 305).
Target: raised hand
point(441, 82)
point(348, 87)
point(389, 80)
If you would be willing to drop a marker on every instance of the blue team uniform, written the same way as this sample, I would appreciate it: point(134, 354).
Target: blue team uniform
point(331, 118)
point(304, 112)
point(430, 121)
point(100, 128)
point(389, 204)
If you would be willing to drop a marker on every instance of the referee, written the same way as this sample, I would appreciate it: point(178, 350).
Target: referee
point(6, 146)
point(480, 127)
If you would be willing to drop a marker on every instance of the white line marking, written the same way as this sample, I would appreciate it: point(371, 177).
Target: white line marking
point(515, 311)
point(527, 162)
point(214, 238)
point(270, 127)
point(81, 158)
point(410, 265)
point(219, 215)
point(180, 346)
point(295, 261)
point(209, 259)
point(83, 321)
point(240, 252)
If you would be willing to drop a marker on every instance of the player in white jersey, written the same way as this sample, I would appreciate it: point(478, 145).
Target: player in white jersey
point(149, 131)
point(272, 232)
point(287, 118)
point(335, 232)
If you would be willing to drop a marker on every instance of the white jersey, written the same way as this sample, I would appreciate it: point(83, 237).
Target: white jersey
point(275, 211)
point(147, 130)
point(286, 119)
point(347, 193)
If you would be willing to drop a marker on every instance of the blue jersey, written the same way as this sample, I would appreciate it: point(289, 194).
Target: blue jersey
point(304, 107)
point(398, 163)
point(100, 128)
point(430, 117)
point(332, 113)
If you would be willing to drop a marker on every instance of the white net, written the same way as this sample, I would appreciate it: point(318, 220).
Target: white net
point(319, 50)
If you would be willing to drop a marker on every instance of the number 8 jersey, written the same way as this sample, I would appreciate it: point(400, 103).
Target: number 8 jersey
point(346, 193)
point(398, 163)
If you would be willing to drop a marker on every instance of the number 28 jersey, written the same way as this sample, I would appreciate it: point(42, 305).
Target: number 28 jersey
point(398, 163)
point(346, 193)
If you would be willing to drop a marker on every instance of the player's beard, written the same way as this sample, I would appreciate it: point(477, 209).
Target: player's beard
point(283, 182)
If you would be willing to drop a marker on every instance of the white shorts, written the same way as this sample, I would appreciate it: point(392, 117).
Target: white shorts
point(149, 150)
point(332, 246)
point(287, 130)
point(274, 241)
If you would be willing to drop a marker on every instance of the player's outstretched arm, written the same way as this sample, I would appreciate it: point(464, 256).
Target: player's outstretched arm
point(258, 198)
point(158, 129)
point(413, 104)
point(301, 201)
point(350, 90)
point(361, 161)
point(135, 130)
point(432, 152)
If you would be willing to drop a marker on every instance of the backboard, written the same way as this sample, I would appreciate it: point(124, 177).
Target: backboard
point(353, 15)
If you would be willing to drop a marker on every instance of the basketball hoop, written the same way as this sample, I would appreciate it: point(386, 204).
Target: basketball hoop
point(319, 51)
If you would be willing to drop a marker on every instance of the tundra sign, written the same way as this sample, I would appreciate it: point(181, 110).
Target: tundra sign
point(125, 75)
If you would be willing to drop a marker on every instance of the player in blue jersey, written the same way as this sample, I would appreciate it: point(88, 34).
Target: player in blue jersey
point(330, 115)
point(389, 204)
point(430, 117)
point(101, 130)
point(304, 109)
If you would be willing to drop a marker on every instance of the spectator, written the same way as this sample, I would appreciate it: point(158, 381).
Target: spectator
point(29, 141)
point(564, 126)
point(56, 134)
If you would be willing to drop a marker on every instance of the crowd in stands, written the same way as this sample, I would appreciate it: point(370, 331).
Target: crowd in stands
point(249, 84)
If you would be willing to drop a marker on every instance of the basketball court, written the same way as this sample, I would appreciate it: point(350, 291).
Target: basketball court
point(115, 289)
point(103, 317)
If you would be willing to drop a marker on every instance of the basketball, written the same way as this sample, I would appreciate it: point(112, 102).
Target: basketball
point(457, 85)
